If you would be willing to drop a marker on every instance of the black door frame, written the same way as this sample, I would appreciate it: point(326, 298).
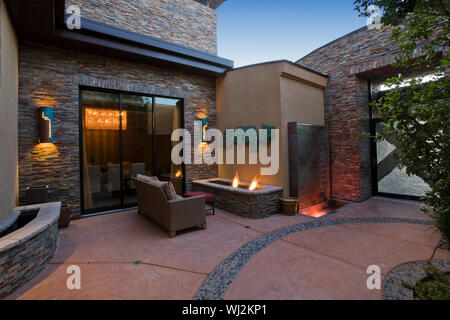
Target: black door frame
point(155, 158)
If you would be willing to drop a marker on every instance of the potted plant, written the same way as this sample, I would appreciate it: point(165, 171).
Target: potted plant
point(289, 206)
point(64, 217)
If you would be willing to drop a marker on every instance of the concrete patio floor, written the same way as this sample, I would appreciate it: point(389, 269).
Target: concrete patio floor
point(126, 256)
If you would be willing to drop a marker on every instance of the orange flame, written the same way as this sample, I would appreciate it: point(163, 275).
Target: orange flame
point(254, 184)
point(236, 181)
point(179, 174)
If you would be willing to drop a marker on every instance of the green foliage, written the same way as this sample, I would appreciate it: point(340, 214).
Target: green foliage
point(436, 285)
point(418, 115)
point(395, 11)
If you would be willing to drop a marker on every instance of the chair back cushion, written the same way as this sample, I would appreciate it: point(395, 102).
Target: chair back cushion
point(167, 187)
point(169, 190)
point(146, 178)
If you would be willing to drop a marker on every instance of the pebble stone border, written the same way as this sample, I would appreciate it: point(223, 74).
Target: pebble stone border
point(217, 283)
point(412, 272)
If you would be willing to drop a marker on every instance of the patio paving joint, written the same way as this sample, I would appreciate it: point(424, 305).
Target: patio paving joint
point(133, 263)
point(435, 252)
point(325, 254)
point(390, 236)
point(240, 224)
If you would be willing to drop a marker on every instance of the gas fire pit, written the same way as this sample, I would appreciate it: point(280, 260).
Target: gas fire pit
point(249, 200)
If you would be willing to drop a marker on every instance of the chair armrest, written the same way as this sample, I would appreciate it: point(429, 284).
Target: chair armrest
point(186, 204)
point(187, 212)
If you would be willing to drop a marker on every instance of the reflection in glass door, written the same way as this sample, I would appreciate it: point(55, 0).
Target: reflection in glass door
point(137, 142)
point(124, 135)
point(391, 180)
point(168, 119)
point(101, 150)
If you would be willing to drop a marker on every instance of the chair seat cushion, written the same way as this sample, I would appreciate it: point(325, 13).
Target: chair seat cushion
point(208, 196)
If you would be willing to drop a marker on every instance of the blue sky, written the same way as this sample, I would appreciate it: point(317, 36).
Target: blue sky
point(253, 31)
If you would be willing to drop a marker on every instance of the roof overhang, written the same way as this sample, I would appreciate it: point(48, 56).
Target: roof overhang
point(214, 4)
point(44, 21)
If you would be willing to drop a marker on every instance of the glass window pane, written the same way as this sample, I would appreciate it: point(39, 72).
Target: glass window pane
point(101, 150)
point(168, 117)
point(137, 142)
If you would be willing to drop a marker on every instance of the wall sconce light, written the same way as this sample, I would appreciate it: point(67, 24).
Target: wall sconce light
point(46, 125)
point(204, 128)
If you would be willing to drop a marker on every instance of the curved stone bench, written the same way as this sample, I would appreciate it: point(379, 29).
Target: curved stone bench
point(25, 252)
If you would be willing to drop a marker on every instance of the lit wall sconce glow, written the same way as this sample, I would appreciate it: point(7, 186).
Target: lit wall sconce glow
point(204, 128)
point(179, 174)
point(46, 125)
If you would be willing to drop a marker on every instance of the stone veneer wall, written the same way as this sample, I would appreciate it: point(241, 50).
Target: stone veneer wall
point(349, 62)
point(50, 76)
point(25, 252)
point(250, 206)
point(25, 261)
point(184, 22)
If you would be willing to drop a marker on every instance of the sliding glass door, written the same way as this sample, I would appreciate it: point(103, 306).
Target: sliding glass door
point(124, 135)
point(101, 121)
point(168, 118)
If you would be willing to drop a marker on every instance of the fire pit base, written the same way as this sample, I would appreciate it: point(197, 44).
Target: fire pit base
point(257, 204)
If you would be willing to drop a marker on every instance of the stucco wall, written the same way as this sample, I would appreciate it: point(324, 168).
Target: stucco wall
point(51, 77)
point(302, 103)
point(270, 94)
point(249, 97)
point(185, 22)
point(8, 111)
